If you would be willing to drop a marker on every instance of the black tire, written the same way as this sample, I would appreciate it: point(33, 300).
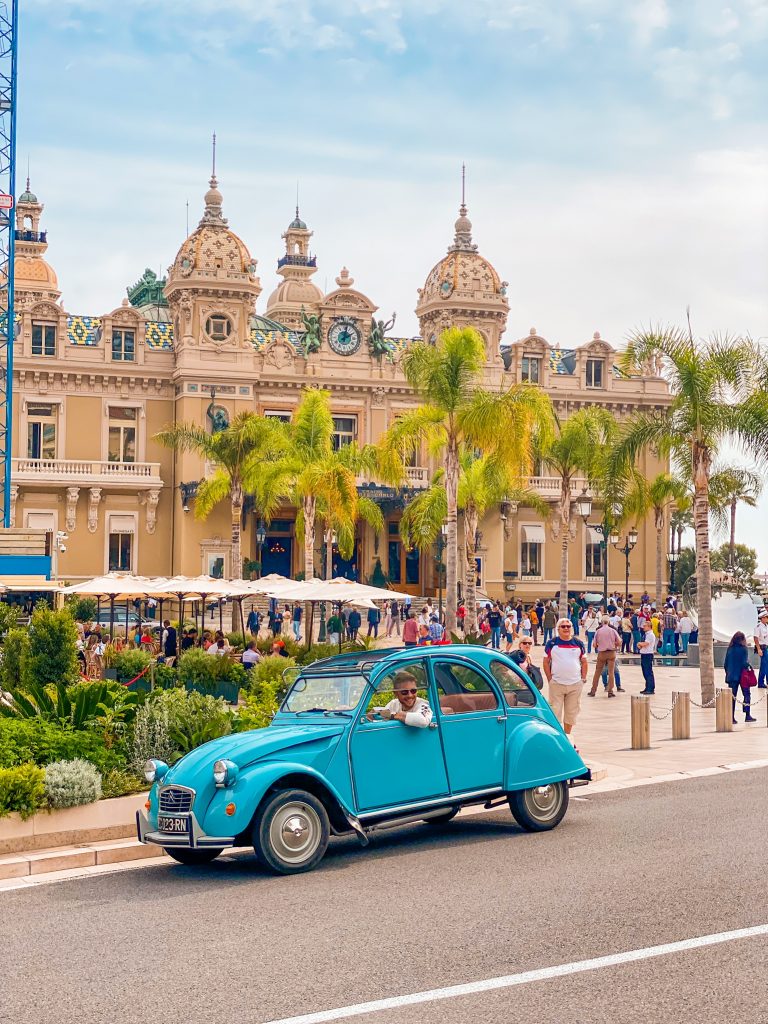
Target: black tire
point(442, 819)
point(291, 832)
point(192, 857)
point(541, 808)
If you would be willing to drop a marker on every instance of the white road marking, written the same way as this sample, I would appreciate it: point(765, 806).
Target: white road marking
point(510, 980)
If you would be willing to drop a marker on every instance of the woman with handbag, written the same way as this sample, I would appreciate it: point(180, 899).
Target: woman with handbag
point(739, 673)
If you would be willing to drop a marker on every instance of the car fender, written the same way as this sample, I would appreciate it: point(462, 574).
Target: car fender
point(249, 790)
point(538, 753)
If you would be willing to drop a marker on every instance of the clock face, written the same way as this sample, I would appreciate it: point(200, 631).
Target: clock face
point(344, 336)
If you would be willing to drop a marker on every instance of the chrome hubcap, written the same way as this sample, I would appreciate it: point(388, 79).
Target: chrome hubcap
point(544, 801)
point(295, 832)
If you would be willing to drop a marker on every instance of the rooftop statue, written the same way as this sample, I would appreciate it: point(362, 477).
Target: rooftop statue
point(312, 335)
point(378, 345)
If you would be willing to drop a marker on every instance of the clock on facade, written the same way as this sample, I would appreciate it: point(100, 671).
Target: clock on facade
point(344, 336)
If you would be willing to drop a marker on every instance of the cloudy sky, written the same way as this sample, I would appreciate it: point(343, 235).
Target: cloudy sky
point(617, 153)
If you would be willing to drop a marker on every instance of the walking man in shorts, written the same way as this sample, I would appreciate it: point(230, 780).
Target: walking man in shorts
point(565, 666)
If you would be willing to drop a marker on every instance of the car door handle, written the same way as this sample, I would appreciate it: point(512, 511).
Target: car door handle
point(501, 718)
point(433, 725)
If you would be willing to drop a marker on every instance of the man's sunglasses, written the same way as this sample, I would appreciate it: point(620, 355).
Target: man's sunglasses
point(526, 643)
point(565, 627)
point(407, 691)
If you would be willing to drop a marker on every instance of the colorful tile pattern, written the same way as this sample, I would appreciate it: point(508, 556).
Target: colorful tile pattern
point(159, 335)
point(83, 330)
point(399, 345)
point(563, 361)
point(260, 338)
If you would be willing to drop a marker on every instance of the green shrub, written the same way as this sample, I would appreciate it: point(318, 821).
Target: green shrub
point(237, 639)
point(41, 742)
point(173, 722)
point(14, 668)
point(199, 668)
point(130, 664)
point(9, 617)
point(267, 676)
point(165, 676)
point(257, 711)
point(71, 784)
point(52, 647)
point(121, 783)
point(22, 789)
point(377, 577)
point(82, 609)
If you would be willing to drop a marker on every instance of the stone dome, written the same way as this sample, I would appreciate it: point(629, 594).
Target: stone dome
point(463, 273)
point(27, 197)
point(295, 291)
point(213, 246)
point(33, 271)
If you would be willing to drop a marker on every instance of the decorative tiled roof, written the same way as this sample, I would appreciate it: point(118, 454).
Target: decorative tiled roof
point(260, 338)
point(159, 335)
point(563, 361)
point(399, 345)
point(83, 330)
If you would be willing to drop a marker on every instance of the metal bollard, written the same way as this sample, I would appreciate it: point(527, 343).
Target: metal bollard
point(681, 715)
point(723, 710)
point(641, 723)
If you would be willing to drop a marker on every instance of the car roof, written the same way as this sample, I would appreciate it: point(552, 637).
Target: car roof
point(380, 658)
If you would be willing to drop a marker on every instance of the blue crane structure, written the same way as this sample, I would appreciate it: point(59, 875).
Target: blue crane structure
point(9, 17)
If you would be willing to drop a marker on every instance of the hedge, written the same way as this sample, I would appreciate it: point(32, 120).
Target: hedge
point(22, 790)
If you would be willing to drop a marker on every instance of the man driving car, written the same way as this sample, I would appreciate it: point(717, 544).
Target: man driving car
point(406, 706)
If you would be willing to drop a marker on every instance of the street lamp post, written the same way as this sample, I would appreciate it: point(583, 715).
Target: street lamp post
point(630, 542)
point(584, 508)
point(672, 558)
point(322, 634)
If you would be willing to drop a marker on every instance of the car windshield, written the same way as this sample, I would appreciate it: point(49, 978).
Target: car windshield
point(324, 692)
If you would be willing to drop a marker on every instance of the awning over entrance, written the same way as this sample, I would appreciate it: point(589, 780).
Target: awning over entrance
point(532, 534)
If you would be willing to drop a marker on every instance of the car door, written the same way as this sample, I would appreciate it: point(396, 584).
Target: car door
point(472, 724)
point(393, 763)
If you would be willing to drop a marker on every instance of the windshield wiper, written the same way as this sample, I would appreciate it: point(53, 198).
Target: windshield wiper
point(325, 711)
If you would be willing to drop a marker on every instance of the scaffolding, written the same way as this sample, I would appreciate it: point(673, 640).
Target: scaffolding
point(8, 65)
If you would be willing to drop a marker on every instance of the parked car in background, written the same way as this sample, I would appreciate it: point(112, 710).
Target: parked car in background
point(334, 762)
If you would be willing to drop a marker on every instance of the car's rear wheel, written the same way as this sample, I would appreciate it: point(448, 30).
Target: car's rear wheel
point(540, 808)
point(442, 819)
point(192, 856)
point(291, 832)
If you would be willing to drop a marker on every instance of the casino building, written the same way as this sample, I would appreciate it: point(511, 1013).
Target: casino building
point(92, 389)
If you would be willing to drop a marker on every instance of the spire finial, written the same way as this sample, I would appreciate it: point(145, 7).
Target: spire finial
point(27, 172)
point(213, 164)
point(463, 184)
point(297, 199)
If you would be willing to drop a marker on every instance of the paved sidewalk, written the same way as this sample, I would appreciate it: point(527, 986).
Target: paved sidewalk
point(603, 735)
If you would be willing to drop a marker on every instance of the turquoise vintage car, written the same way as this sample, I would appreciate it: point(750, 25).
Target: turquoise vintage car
point(335, 760)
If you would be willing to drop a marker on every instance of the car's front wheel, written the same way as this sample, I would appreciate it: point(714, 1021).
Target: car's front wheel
point(291, 832)
point(540, 808)
point(192, 856)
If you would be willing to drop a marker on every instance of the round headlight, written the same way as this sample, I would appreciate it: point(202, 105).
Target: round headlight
point(224, 773)
point(155, 769)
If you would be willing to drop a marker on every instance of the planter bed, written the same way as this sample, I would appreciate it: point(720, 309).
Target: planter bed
point(104, 819)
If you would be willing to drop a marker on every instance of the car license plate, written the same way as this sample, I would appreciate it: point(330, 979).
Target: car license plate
point(168, 824)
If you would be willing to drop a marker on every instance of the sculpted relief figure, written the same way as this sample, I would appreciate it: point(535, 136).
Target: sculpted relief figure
point(377, 342)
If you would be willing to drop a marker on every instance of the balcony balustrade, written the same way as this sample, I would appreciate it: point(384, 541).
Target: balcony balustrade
point(86, 472)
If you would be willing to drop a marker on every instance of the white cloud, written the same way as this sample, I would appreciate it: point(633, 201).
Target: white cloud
point(649, 17)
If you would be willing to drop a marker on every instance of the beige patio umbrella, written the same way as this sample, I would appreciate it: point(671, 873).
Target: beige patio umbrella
point(114, 586)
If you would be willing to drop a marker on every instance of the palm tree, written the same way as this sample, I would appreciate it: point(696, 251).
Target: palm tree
point(728, 487)
point(457, 412)
point(320, 481)
point(657, 496)
point(239, 454)
point(483, 483)
point(716, 397)
point(577, 449)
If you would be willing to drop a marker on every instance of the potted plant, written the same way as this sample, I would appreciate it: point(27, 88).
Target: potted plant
point(108, 662)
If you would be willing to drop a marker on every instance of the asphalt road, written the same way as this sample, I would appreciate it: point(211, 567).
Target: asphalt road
point(417, 910)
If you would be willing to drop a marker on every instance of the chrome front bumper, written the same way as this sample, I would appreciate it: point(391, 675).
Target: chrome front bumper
point(192, 839)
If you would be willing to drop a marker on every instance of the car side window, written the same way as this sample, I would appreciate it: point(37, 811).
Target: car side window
point(517, 692)
point(386, 686)
point(462, 690)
